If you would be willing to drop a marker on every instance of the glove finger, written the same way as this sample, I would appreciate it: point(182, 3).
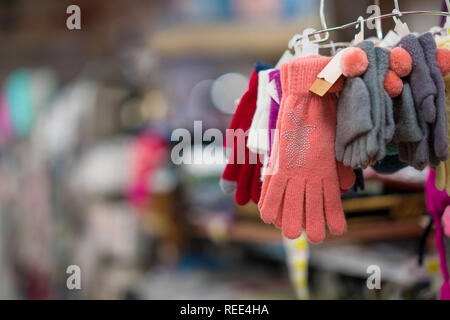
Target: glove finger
point(315, 218)
point(348, 155)
point(365, 160)
point(293, 208)
point(333, 208)
point(273, 199)
point(356, 155)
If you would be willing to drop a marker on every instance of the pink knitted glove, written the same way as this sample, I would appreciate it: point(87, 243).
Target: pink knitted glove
point(303, 191)
point(446, 221)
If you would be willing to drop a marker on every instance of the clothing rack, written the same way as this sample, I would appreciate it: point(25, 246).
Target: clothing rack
point(384, 16)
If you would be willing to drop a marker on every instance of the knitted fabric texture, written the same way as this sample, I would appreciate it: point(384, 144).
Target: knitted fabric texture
point(437, 201)
point(438, 133)
point(258, 136)
point(303, 190)
point(443, 169)
point(242, 175)
point(274, 77)
point(423, 92)
point(358, 149)
point(388, 124)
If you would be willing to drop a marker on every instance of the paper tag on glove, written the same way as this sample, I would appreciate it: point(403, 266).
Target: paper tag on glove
point(328, 76)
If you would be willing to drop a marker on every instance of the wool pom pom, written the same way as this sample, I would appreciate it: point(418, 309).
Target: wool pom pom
point(393, 84)
point(401, 62)
point(443, 60)
point(354, 62)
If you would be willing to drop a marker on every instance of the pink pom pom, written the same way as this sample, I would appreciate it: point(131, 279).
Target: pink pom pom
point(443, 60)
point(393, 84)
point(354, 62)
point(401, 62)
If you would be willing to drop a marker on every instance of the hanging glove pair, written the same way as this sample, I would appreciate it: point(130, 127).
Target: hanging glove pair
point(365, 122)
point(428, 96)
point(302, 191)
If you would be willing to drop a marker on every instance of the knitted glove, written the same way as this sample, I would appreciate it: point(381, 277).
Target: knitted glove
point(423, 91)
point(258, 136)
point(274, 77)
point(438, 130)
point(407, 129)
point(446, 221)
point(304, 191)
point(241, 174)
point(443, 169)
point(366, 146)
point(437, 202)
point(353, 116)
point(274, 89)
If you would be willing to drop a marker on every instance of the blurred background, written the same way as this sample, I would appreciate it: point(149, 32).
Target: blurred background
point(86, 118)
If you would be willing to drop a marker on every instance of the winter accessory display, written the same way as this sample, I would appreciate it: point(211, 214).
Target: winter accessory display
point(303, 190)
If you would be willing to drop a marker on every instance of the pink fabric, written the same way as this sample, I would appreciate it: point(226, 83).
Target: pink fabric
point(446, 221)
point(148, 153)
point(437, 202)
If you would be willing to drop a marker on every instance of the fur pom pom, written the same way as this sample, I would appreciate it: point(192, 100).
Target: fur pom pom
point(393, 84)
point(401, 62)
point(354, 62)
point(443, 60)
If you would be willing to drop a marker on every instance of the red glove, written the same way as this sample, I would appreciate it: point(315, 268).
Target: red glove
point(243, 171)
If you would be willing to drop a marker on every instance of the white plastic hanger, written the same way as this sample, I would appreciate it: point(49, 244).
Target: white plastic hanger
point(359, 37)
point(400, 28)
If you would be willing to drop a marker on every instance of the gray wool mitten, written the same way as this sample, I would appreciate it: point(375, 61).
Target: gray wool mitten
point(423, 92)
point(423, 87)
point(438, 130)
point(363, 149)
point(353, 114)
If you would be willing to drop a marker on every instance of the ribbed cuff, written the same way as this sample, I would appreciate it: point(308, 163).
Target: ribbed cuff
point(302, 72)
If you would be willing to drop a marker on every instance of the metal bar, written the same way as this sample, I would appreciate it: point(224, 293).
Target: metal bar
point(384, 16)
